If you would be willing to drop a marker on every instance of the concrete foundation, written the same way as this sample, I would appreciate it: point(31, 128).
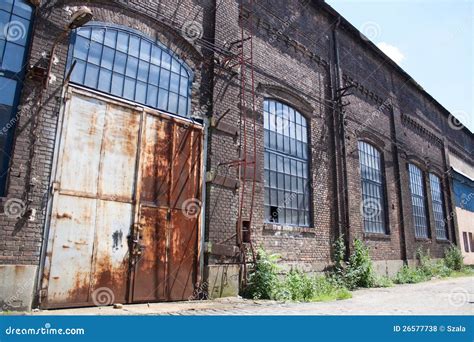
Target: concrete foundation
point(387, 268)
point(223, 280)
point(17, 287)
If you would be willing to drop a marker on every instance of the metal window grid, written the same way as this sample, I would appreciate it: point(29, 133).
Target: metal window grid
point(121, 62)
point(286, 165)
point(373, 193)
point(437, 201)
point(418, 200)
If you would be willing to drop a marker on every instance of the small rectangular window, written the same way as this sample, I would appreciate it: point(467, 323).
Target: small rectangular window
point(471, 242)
point(466, 242)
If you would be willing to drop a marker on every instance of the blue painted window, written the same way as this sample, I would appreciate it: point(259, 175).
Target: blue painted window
point(286, 165)
point(437, 201)
point(373, 190)
point(463, 189)
point(418, 201)
point(15, 26)
point(126, 64)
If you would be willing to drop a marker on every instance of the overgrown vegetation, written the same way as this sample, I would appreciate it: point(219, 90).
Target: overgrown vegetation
point(264, 283)
point(298, 286)
point(451, 264)
point(263, 280)
point(453, 258)
point(359, 270)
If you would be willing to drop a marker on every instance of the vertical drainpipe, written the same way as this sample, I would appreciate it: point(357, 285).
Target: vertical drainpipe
point(340, 146)
point(203, 199)
point(398, 183)
point(209, 31)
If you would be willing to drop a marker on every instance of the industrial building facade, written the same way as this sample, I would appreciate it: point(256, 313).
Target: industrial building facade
point(150, 147)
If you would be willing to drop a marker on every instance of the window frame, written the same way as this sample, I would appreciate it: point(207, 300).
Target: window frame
point(302, 162)
point(19, 78)
point(466, 243)
point(383, 188)
point(154, 44)
point(441, 203)
point(424, 201)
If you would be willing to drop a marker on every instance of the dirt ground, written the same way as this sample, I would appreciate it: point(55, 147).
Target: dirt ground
point(453, 296)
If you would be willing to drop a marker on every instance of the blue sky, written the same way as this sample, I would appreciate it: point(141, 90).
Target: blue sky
point(432, 40)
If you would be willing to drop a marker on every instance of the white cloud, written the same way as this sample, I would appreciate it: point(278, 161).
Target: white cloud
point(392, 51)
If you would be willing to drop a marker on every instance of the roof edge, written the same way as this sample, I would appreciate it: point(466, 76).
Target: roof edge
point(351, 28)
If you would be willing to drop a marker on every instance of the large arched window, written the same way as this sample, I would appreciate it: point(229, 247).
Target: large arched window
point(418, 201)
point(373, 189)
point(286, 165)
point(124, 63)
point(15, 27)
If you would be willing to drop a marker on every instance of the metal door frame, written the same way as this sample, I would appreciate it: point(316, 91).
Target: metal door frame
point(68, 91)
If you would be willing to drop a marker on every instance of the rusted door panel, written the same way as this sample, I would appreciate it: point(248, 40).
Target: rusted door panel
point(170, 168)
point(149, 281)
point(118, 153)
point(93, 203)
point(82, 139)
point(71, 255)
point(102, 201)
point(111, 261)
point(155, 163)
point(185, 166)
point(183, 255)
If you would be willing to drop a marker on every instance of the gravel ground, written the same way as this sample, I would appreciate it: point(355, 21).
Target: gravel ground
point(453, 296)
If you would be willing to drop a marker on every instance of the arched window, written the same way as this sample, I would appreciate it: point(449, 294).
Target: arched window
point(124, 63)
point(15, 26)
point(418, 201)
point(286, 165)
point(373, 189)
point(437, 201)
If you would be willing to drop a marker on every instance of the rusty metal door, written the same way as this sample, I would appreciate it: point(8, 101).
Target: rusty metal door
point(169, 210)
point(120, 227)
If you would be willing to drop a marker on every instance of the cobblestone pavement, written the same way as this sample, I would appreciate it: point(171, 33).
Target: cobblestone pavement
point(436, 297)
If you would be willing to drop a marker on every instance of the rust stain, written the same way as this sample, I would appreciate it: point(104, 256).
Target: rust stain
point(79, 292)
point(113, 276)
point(64, 216)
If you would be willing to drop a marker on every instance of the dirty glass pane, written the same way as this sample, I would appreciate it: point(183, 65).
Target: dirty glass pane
point(437, 200)
point(136, 61)
point(283, 164)
point(418, 201)
point(15, 23)
point(373, 191)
